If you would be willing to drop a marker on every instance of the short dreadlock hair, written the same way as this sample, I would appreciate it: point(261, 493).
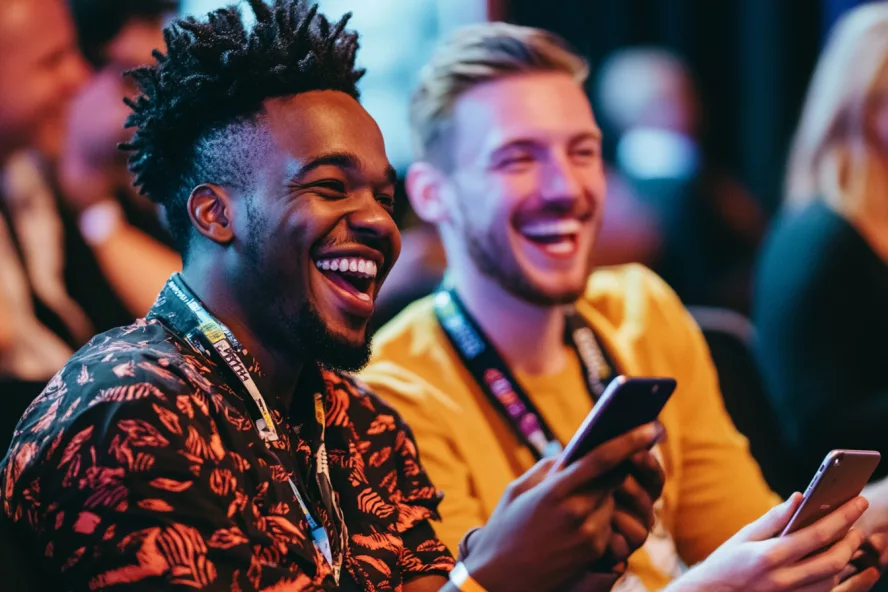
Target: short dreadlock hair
point(215, 76)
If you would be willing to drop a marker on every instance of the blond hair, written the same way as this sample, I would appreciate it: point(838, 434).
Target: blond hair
point(471, 56)
point(831, 158)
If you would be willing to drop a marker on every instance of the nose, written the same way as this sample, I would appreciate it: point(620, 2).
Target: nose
point(561, 182)
point(371, 222)
point(74, 72)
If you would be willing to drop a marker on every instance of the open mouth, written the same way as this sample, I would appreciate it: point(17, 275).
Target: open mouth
point(554, 237)
point(356, 276)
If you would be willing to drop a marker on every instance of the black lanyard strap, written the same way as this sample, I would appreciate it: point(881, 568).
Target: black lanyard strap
point(493, 376)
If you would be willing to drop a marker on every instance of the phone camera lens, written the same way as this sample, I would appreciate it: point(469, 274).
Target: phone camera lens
point(837, 462)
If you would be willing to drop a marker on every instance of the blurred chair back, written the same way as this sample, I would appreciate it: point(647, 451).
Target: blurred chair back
point(729, 336)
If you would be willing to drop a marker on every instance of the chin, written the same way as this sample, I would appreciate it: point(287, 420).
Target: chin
point(556, 289)
point(333, 344)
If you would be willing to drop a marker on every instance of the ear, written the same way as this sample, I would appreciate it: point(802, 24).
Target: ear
point(209, 207)
point(427, 189)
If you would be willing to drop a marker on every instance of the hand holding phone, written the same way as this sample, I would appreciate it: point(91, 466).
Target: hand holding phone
point(841, 477)
point(626, 403)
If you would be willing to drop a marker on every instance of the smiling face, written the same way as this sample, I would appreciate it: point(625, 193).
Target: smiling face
point(40, 70)
point(319, 234)
point(527, 190)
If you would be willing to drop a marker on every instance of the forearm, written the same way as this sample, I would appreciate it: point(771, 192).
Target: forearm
point(136, 266)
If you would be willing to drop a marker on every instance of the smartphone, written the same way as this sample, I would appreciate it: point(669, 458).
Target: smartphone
point(626, 404)
point(841, 477)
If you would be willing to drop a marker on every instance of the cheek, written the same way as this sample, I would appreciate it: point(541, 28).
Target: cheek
point(493, 200)
point(881, 126)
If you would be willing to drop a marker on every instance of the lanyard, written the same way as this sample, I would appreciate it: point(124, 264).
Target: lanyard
point(492, 374)
point(227, 346)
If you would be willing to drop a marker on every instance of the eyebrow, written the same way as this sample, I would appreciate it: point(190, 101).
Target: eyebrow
point(530, 142)
point(343, 160)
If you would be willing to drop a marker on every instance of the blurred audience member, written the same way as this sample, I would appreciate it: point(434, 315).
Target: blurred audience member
point(822, 284)
point(121, 228)
point(115, 37)
point(70, 262)
point(40, 70)
point(709, 226)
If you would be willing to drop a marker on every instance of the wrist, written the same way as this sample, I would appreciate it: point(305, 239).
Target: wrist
point(99, 221)
point(462, 579)
point(465, 544)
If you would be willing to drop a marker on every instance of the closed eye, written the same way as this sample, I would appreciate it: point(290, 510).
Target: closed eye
point(387, 201)
point(515, 163)
point(332, 184)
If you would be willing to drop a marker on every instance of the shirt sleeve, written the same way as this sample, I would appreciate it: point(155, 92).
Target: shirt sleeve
point(139, 491)
point(721, 487)
point(441, 457)
point(418, 499)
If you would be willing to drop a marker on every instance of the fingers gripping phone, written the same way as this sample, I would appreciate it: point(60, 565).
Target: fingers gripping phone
point(841, 477)
point(627, 403)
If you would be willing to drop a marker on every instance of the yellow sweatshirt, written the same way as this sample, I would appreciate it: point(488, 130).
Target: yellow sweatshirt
point(713, 485)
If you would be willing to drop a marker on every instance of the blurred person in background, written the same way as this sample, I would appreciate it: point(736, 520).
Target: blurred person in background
point(41, 69)
point(73, 247)
point(708, 226)
point(822, 281)
point(123, 229)
point(500, 366)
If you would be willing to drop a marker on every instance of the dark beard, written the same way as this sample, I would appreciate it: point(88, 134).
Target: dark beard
point(324, 346)
point(305, 331)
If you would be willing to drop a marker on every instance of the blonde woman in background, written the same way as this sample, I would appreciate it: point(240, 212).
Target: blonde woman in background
point(822, 284)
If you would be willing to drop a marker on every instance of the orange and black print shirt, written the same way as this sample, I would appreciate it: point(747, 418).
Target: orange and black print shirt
point(139, 468)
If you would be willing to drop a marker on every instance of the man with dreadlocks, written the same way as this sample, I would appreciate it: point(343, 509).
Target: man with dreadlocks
point(217, 443)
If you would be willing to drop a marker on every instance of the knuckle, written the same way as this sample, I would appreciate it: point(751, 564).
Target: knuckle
point(768, 560)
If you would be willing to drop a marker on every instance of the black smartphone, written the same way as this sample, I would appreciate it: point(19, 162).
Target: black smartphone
point(626, 404)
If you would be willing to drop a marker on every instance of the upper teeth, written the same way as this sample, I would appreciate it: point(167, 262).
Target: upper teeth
point(552, 227)
point(351, 265)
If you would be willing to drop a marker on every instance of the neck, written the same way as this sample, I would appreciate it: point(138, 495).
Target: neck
point(528, 336)
point(281, 368)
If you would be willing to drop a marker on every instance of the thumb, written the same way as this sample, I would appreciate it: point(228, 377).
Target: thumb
point(772, 522)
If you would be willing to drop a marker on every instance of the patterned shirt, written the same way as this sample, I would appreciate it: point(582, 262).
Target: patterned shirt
point(140, 466)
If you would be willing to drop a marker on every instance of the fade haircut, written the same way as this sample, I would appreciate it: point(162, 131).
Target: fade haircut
point(472, 56)
point(199, 103)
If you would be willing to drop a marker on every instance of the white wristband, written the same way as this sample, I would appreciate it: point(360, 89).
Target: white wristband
point(463, 581)
point(99, 221)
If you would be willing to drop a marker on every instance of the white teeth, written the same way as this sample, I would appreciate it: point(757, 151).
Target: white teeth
point(552, 227)
point(559, 247)
point(356, 266)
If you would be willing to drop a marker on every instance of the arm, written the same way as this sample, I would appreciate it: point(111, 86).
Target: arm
point(135, 265)
point(137, 495)
point(721, 488)
point(424, 410)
